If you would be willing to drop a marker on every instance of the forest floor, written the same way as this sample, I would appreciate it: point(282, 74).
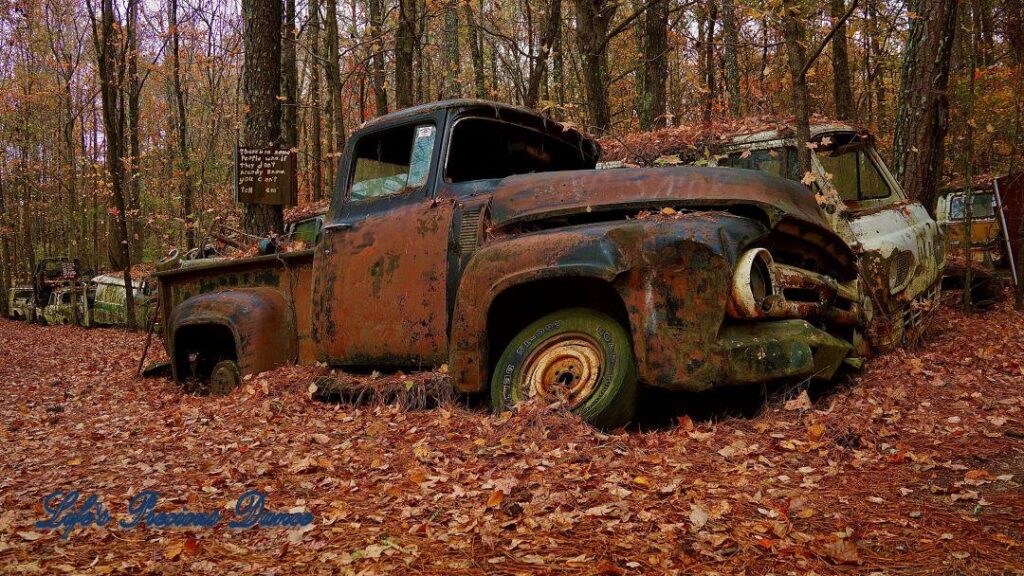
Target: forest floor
point(913, 466)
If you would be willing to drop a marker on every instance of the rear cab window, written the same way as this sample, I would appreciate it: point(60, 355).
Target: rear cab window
point(778, 161)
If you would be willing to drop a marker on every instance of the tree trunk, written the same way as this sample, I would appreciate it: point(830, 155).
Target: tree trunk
point(841, 79)
point(874, 51)
point(336, 109)
point(380, 96)
point(405, 53)
point(592, 19)
point(450, 47)
point(708, 61)
point(1013, 28)
point(539, 64)
point(133, 91)
point(558, 69)
point(793, 31)
point(289, 77)
point(476, 49)
point(110, 65)
point(5, 252)
point(922, 117)
point(968, 158)
point(655, 64)
point(317, 152)
point(181, 125)
point(260, 83)
point(732, 68)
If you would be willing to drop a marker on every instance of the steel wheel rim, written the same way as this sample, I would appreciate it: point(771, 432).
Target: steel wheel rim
point(566, 367)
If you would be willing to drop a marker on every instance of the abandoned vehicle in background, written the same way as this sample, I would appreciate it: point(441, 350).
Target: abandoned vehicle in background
point(899, 246)
point(21, 303)
point(997, 210)
point(108, 297)
point(49, 275)
point(480, 235)
point(59, 310)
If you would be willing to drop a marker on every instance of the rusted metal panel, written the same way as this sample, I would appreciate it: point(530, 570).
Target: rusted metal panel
point(381, 287)
point(260, 319)
point(533, 196)
point(277, 278)
point(673, 276)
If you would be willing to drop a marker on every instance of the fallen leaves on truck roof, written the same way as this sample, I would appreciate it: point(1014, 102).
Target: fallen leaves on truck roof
point(916, 465)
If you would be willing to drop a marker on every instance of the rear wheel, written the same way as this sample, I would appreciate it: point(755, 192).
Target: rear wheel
point(580, 356)
point(225, 377)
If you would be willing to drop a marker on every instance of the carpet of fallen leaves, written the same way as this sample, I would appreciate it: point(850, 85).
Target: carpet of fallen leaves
point(913, 466)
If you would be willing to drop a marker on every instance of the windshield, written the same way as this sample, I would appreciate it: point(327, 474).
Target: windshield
point(853, 171)
point(778, 161)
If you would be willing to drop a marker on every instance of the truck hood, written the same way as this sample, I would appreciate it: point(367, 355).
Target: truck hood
point(531, 197)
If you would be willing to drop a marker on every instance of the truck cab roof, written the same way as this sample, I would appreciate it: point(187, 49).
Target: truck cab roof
point(515, 114)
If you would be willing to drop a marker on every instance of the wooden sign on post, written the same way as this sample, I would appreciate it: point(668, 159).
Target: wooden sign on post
point(69, 270)
point(266, 176)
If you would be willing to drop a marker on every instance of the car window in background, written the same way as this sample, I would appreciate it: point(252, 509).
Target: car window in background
point(777, 161)
point(983, 205)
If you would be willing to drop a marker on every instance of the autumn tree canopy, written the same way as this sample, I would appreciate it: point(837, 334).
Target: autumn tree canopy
point(119, 131)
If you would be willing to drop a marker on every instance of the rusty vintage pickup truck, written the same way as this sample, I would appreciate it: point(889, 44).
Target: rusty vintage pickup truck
point(480, 235)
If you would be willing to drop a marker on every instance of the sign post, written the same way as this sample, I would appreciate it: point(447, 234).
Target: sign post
point(266, 176)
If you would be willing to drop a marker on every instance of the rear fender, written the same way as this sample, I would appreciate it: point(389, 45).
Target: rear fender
point(261, 322)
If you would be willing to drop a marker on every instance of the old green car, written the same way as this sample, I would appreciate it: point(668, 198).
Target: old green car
point(108, 307)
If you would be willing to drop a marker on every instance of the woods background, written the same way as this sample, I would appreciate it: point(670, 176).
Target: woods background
point(118, 119)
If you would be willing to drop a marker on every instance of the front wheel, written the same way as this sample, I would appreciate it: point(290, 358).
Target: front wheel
point(578, 355)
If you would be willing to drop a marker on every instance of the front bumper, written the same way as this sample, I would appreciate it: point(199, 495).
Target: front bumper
point(766, 351)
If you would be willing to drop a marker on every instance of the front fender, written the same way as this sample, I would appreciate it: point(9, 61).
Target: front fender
point(503, 264)
point(671, 274)
point(260, 319)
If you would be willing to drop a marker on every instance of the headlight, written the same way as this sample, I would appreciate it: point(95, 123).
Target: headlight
point(752, 283)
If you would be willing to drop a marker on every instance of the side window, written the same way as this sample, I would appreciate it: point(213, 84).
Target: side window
point(66, 298)
point(392, 161)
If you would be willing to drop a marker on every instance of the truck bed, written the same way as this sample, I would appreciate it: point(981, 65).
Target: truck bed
point(290, 273)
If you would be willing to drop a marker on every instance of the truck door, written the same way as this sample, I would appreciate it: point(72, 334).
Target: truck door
point(381, 271)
